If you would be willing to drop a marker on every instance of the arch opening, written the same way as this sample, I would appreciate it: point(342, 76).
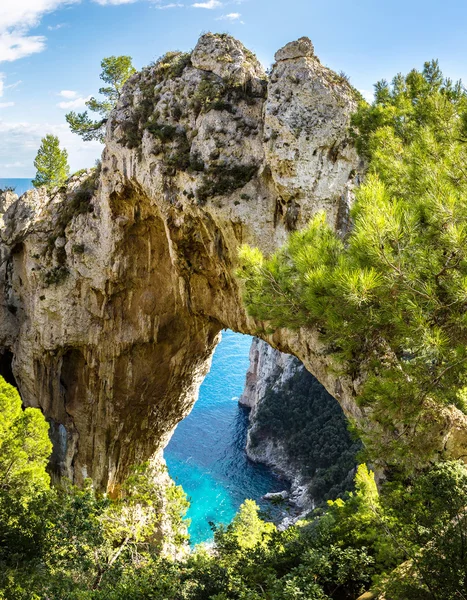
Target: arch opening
point(207, 452)
point(262, 428)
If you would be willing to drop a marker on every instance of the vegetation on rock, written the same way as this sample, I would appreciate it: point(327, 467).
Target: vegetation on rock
point(309, 426)
point(223, 179)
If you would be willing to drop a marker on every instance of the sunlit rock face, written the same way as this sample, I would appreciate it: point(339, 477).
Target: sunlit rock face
point(115, 287)
point(268, 367)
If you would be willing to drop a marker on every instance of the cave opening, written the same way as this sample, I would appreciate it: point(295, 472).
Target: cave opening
point(6, 367)
point(206, 454)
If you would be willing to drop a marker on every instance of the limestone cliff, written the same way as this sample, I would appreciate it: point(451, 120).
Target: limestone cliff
point(296, 428)
point(116, 286)
point(270, 368)
point(267, 367)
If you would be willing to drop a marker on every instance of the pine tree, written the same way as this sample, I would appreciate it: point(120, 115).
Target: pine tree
point(51, 163)
point(115, 71)
point(390, 300)
point(24, 446)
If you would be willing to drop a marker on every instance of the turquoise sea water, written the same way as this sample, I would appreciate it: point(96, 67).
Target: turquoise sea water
point(20, 185)
point(206, 454)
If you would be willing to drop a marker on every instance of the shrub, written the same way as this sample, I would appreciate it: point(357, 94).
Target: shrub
point(221, 179)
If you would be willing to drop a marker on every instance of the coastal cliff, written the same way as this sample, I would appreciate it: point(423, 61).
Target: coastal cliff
point(267, 367)
point(114, 288)
point(297, 428)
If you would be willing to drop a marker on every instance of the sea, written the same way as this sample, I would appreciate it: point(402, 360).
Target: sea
point(206, 454)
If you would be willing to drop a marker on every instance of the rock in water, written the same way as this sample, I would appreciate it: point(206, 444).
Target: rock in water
point(274, 496)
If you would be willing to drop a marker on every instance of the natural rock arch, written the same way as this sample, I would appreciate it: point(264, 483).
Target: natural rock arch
point(112, 301)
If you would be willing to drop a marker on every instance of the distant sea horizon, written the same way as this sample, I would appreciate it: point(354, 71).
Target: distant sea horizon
point(20, 184)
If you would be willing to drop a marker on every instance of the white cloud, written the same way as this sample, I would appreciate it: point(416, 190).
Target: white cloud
point(17, 45)
point(210, 4)
point(17, 17)
point(172, 5)
point(368, 95)
point(12, 86)
point(4, 87)
point(73, 104)
point(229, 17)
point(13, 165)
point(26, 13)
point(19, 143)
point(57, 26)
point(69, 94)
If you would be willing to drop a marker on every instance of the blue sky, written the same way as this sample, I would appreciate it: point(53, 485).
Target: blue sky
point(50, 50)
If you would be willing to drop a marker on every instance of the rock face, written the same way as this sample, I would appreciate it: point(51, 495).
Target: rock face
point(270, 368)
point(115, 287)
point(267, 367)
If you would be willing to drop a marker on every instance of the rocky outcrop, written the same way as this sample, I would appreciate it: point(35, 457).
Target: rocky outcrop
point(115, 287)
point(267, 367)
point(7, 198)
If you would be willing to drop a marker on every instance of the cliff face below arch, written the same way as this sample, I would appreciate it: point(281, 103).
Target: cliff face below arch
point(115, 287)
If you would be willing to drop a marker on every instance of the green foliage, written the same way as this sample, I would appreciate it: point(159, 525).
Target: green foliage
point(247, 530)
point(83, 195)
point(209, 95)
point(75, 542)
point(165, 133)
point(24, 451)
point(85, 546)
point(172, 64)
point(311, 428)
point(24, 447)
point(115, 72)
point(390, 300)
point(51, 163)
point(419, 101)
point(144, 116)
point(251, 560)
point(427, 518)
point(214, 93)
point(74, 203)
point(77, 202)
point(55, 275)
